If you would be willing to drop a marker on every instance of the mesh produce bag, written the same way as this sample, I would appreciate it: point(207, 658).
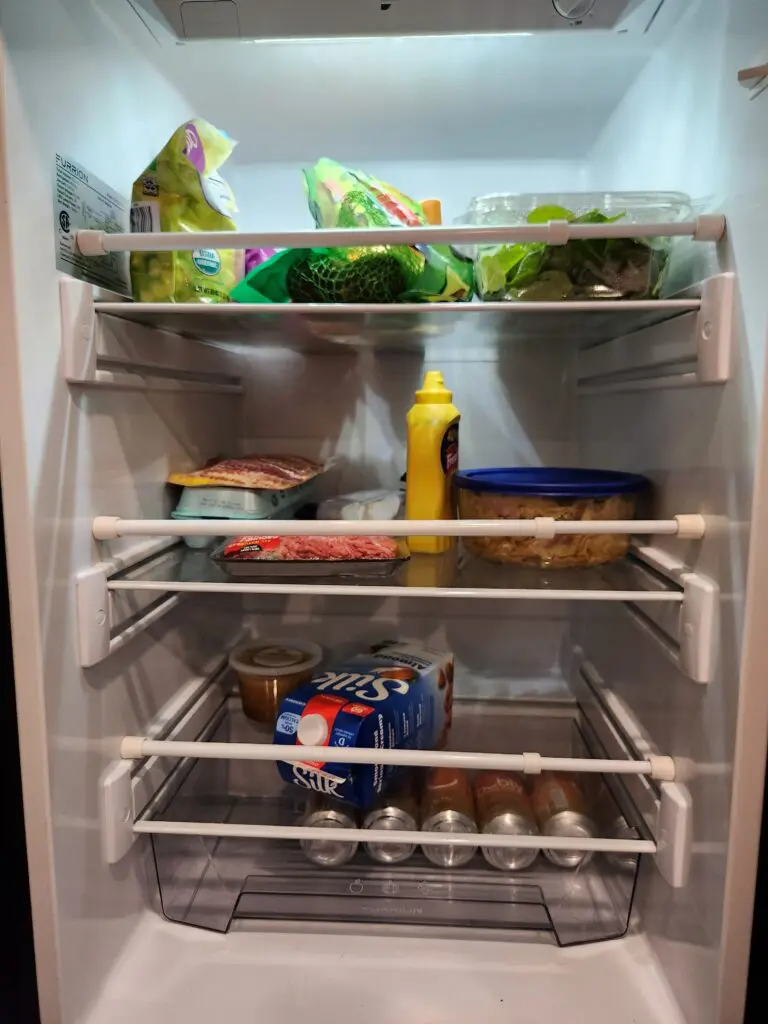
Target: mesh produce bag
point(341, 198)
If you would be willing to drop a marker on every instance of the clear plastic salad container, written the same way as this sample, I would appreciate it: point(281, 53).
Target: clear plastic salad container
point(600, 268)
point(570, 494)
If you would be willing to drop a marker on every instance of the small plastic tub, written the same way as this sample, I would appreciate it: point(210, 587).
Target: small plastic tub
point(598, 268)
point(566, 494)
point(268, 670)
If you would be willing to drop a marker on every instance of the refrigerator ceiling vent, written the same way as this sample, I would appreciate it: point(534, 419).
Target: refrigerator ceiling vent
point(297, 19)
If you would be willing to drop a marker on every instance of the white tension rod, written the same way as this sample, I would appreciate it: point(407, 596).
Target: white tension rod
point(396, 590)
point(690, 527)
point(369, 835)
point(707, 228)
point(135, 747)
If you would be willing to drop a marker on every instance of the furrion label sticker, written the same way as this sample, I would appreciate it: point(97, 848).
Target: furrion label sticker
point(80, 201)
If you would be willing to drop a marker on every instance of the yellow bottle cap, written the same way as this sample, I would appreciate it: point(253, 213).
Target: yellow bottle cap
point(433, 390)
point(433, 211)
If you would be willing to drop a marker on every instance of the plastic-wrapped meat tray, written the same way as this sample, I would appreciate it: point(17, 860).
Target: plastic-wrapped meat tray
point(280, 557)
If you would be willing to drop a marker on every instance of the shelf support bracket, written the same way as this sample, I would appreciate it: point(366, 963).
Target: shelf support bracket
point(105, 622)
point(92, 358)
point(693, 350)
point(687, 634)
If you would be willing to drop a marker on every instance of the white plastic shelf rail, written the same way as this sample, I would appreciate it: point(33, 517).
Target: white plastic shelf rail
point(707, 228)
point(688, 527)
point(136, 748)
point(656, 767)
point(178, 569)
point(370, 835)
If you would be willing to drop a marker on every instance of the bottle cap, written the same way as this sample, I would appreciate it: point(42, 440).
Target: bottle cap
point(433, 211)
point(433, 390)
point(312, 731)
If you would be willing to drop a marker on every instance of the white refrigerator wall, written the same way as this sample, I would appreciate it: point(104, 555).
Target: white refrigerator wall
point(351, 409)
point(687, 124)
point(71, 85)
point(271, 196)
point(377, 102)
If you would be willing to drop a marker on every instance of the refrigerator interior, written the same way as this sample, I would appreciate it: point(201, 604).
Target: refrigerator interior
point(657, 110)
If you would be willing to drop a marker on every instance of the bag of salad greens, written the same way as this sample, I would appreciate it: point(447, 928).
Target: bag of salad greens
point(181, 190)
point(342, 198)
point(587, 268)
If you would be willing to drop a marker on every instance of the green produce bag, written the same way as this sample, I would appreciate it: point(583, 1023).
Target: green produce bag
point(341, 198)
point(181, 191)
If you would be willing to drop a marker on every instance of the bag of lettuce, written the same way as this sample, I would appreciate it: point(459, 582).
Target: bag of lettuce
point(182, 191)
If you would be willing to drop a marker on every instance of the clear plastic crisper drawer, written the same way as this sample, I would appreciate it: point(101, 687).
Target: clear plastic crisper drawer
point(211, 882)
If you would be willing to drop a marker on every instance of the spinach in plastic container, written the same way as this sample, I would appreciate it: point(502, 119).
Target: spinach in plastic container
point(594, 268)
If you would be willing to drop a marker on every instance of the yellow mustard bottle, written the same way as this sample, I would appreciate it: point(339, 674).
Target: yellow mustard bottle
point(433, 458)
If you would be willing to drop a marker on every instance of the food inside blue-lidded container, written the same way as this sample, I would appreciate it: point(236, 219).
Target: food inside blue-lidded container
point(528, 492)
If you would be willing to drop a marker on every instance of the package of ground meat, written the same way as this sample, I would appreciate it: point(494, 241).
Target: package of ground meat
point(253, 472)
point(264, 557)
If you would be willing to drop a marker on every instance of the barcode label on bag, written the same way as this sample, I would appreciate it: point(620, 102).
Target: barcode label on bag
point(145, 217)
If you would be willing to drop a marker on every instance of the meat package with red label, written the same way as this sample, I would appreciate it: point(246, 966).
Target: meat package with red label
point(268, 556)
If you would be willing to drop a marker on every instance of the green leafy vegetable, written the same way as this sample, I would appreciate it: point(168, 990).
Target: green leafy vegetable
point(544, 214)
point(595, 217)
point(589, 268)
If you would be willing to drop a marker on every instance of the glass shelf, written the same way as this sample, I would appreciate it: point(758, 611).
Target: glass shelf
point(451, 575)
point(408, 326)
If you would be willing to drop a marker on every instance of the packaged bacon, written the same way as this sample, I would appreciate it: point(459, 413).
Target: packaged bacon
point(252, 472)
point(263, 557)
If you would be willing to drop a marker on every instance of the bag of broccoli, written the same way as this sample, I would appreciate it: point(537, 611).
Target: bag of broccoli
point(341, 198)
point(182, 191)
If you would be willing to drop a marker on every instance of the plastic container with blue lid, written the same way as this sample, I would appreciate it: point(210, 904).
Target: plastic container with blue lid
point(528, 492)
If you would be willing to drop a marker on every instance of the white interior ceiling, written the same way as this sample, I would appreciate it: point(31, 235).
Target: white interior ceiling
point(291, 19)
point(450, 116)
point(436, 98)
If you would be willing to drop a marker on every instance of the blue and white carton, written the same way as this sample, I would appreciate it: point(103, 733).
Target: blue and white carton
point(398, 697)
